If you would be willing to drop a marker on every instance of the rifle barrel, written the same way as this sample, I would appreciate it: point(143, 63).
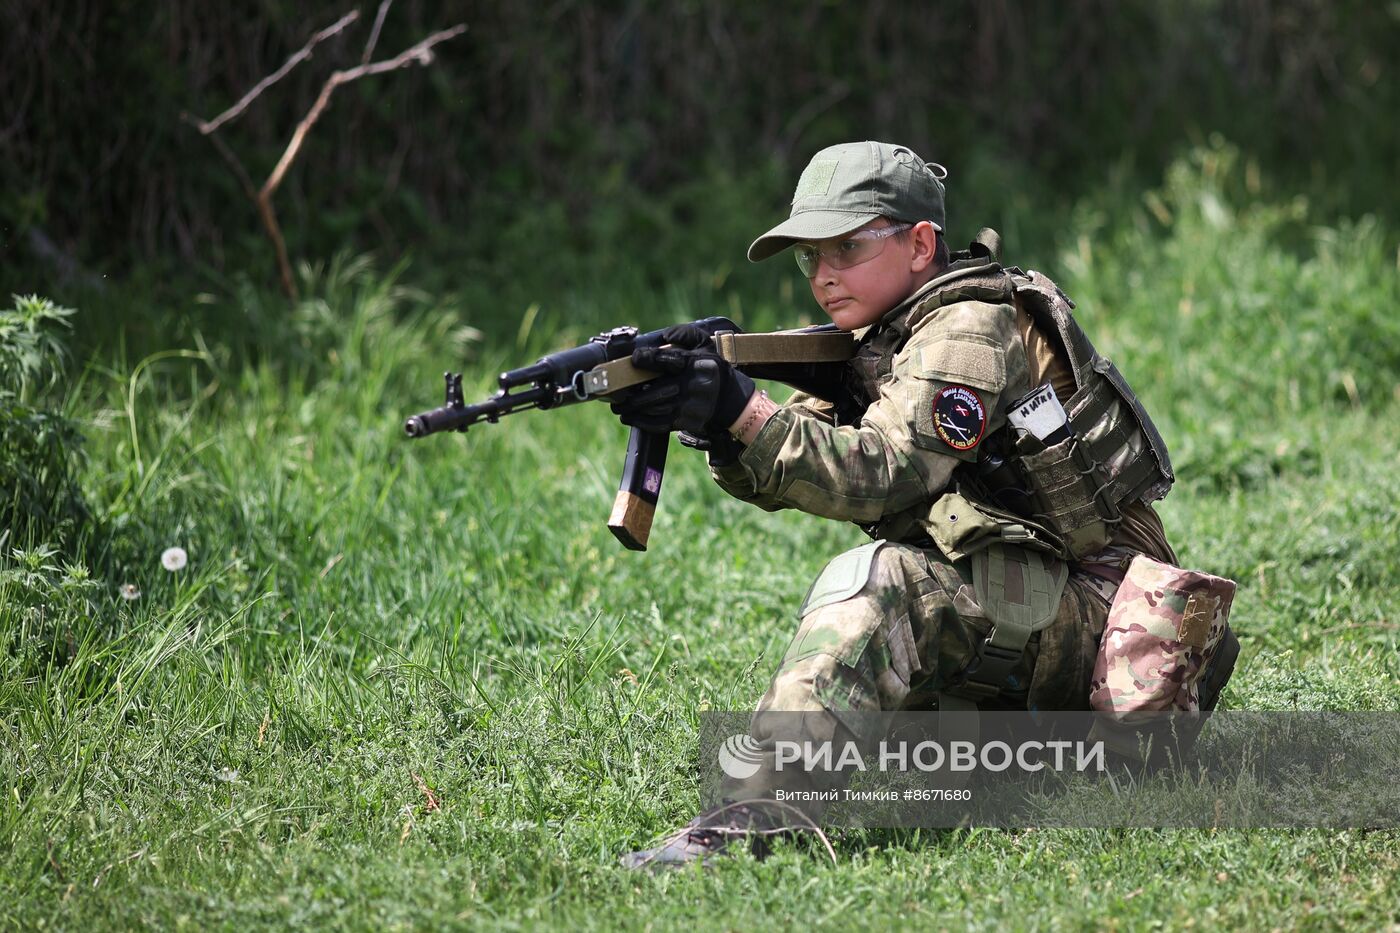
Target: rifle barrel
point(461, 417)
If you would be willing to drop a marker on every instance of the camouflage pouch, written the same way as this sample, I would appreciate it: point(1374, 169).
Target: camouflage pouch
point(960, 527)
point(1164, 626)
point(1068, 494)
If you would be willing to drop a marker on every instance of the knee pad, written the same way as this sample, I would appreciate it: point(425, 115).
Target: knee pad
point(844, 576)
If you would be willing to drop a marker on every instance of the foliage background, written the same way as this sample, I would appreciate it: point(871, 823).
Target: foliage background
point(419, 685)
point(605, 120)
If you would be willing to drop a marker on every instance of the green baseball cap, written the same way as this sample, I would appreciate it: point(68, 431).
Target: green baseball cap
point(845, 187)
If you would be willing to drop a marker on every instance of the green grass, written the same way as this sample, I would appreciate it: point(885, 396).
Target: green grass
point(419, 685)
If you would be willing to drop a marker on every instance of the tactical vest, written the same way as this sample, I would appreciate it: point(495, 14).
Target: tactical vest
point(1114, 453)
point(1064, 498)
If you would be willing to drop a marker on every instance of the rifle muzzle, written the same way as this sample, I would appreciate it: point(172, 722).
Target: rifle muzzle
point(430, 422)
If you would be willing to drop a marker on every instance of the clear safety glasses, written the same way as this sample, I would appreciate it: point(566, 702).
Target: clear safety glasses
point(861, 246)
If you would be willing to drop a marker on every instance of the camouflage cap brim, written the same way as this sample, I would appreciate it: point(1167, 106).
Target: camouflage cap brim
point(808, 225)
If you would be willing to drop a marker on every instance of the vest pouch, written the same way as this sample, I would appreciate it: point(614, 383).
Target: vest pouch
point(960, 527)
point(1104, 411)
point(1069, 494)
point(1162, 477)
point(1164, 626)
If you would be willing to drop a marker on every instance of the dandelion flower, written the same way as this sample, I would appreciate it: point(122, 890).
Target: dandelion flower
point(130, 592)
point(174, 558)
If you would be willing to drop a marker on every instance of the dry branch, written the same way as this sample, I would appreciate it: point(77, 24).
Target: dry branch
point(279, 74)
point(374, 33)
point(420, 54)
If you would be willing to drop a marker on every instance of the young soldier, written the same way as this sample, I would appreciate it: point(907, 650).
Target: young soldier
point(997, 545)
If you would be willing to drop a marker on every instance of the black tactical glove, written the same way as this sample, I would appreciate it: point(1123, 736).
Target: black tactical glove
point(697, 391)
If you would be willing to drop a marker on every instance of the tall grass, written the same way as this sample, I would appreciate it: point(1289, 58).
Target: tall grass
point(418, 684)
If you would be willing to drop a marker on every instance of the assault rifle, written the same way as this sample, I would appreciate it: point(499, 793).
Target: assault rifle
point(808, 359)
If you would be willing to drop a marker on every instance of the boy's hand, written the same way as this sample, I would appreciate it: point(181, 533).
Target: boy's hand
point(698, 391)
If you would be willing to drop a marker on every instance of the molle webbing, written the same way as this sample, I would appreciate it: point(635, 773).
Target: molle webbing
point(1104, 411)
point(1063, 502)
point(1164, 477)
point(1093, 408)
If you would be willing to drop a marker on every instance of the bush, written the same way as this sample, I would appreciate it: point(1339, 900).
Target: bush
point(41, 448)
point(43, 605)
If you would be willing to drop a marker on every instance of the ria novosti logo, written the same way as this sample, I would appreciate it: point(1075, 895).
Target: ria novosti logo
point(740, 756)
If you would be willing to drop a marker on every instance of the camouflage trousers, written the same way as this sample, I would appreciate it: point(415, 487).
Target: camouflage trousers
point(897, 627)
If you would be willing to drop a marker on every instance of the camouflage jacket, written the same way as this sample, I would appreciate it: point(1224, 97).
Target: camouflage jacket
point(936, 372)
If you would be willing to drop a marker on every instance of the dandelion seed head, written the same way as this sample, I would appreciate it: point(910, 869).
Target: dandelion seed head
point(174, 558)
point(227, 775)
point(130, 592)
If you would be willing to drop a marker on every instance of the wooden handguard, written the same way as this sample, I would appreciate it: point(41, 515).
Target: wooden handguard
point(737, 349)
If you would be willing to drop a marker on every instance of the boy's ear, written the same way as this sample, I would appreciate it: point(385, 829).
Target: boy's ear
point(925, 240)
